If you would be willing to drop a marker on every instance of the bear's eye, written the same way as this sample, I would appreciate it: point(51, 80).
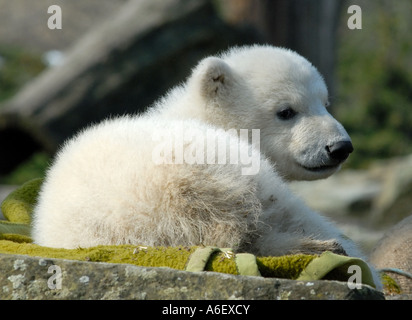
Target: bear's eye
point(286, 113)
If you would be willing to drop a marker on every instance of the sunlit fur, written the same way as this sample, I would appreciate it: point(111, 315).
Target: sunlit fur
point(104, 186)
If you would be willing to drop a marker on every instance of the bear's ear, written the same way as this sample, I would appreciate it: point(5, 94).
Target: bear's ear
point(214, 78)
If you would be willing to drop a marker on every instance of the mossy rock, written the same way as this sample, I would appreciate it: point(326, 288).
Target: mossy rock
point(18, 205)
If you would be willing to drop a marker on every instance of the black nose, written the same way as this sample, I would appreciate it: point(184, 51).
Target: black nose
point(340, 150)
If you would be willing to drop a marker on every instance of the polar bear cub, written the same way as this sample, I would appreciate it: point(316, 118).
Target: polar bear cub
point(205, 165)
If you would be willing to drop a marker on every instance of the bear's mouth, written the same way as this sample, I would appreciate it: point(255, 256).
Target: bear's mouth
point(321, 168)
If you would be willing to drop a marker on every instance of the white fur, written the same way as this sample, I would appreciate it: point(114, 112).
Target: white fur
point(106, 187)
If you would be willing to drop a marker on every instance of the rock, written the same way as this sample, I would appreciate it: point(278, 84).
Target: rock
point(24, 277)
point(120, 66)
point(349, 192)
point(394, 250)
point(395, 200)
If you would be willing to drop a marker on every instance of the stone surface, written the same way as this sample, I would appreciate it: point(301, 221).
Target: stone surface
point(395, 201)
point(394, 250)
point(23, 277)
point(347, 192)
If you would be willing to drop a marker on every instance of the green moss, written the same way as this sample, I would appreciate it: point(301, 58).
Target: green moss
point(19, 238)
point(220, 262)
point(390, 285)
point(284, 267)
point(287, 267)
point(172, 257)
point(18, 205)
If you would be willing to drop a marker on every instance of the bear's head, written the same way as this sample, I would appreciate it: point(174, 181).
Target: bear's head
point(282, 94)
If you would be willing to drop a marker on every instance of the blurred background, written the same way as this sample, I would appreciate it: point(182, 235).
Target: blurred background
point(115, 57)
